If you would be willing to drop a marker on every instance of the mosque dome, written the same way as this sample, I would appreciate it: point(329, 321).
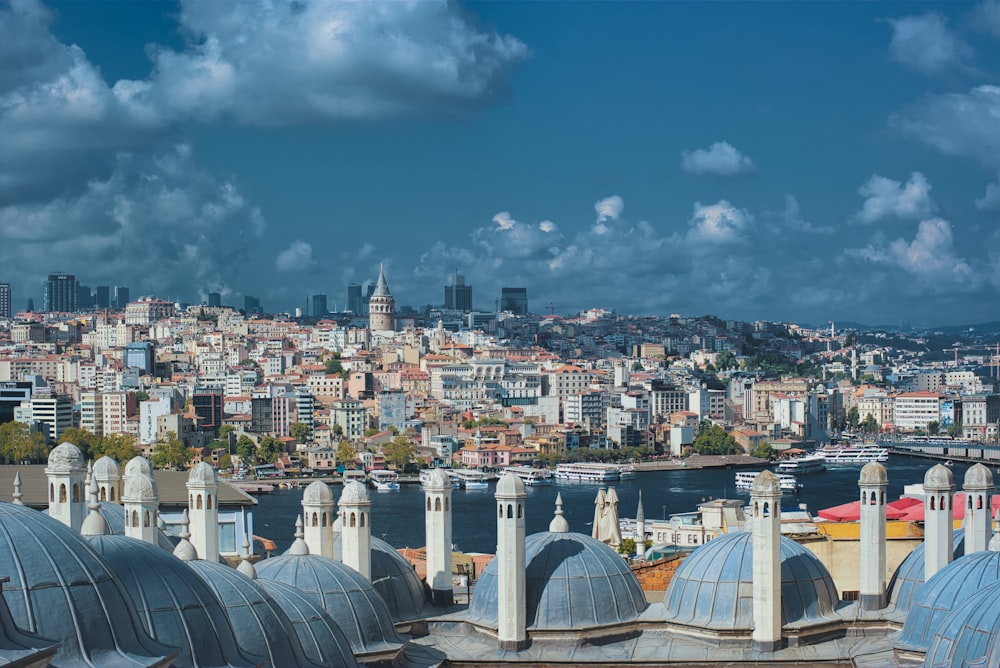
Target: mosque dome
point(354, 493)
point(939, 477)
point(873, 473)
point(437, 479)
point(908, 578)
point(137, 465)
point(978, 477)
point(343, 592)
point(510, 485)
point(261, 626)
point(203, 473)
point(970, 635)
point(106, 468)
point(766, 483)
point(317, 492)
point(322, 639)
point(61, 589)
point(713, 587)
point(394, 579)
point(140, 487)
point(573, 581)
point(938, 597)
point(65, 458)
point(175, 606)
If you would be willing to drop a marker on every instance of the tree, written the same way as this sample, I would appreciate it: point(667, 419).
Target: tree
point(225, 431)
point(142, 395)
point(18, 444)
point(762, 450)
point(933, 427)
point(246, 450)
point(300, 431)
point(714, 440)
point(82, 439)
point(225, 462)
point(853, 417)
point(120, 447)
point(333, 365)
point(955, 430)
point(337, 430)
point(268, 449)
point(726, 360)
point(171, 453)
point(637, 366)
point(346, 453)
point(869, 424)
point(627, 547)
point(398, 452)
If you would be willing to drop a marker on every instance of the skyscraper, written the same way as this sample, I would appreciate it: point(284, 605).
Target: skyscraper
point(102, 297)
point(121, 297)
point(84, 297)
point(319, 306)
point(458, 295)
point(514, 300)
point(214, 299)
point(60, 293)
point(251, 304)
point(354, 299)
point(5, 300)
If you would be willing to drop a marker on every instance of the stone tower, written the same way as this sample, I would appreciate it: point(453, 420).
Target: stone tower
point(317, 509)
point(381, 306)
point(511, 575)
point(141, 501)
point(437, 522)
point(203, 511)
point(978, 488)
point(765, 504)
point(109, 478)
point(355, 528)
point(872, 483)
point(65, 473)
point(939, 485)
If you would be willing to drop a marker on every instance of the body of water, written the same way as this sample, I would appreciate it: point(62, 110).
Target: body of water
point(398, 517)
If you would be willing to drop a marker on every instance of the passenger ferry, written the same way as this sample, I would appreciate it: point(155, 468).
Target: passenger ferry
point(852, 455)
point(384, 481)
point(357, 475)
point(789, 485)
point(587, 472)
point(531, 476)
point(805, 464)
point(470, 479)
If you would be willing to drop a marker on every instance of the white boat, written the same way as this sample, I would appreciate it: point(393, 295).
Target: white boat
point(383, 480)
point(626, 471)
point(789, 485)
point(357, 475)
point(470, 478)
point(587, 472)
point(851, 455)
point(805, 464)
point(531, 476)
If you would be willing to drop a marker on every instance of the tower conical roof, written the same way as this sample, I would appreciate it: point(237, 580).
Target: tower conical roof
point(381, 287)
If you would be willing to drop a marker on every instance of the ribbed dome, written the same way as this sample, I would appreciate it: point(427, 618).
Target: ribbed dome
point(437, 479)
point(261, 626)
point(970, 634)
point(939, 478)
point(138, 465)
point(908, 578)
point(317, 492)
point(394, 579)
point(354, 493)
point(175, 606)
point(140, 487)
point(64, 458)
point(938, 596)
point(343, 592)
point(873, 473)
point(573, 582)
point(322, 639)
point(766, 483)
point(106, 468)
point(510, 485)
point(978, 477)
point(203, 473)
point(61, 589)
point(713, 587)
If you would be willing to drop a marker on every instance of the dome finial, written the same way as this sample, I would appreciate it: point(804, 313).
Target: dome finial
point(94, 524)
point(17, 490)
point(185, 550)
point(246, 567)
point(559, 523)
point(299, 547)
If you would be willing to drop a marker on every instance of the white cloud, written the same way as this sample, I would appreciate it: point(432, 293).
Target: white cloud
point(886, 197)
point(792, 219)
point(927, 44)
point(719, 159)
point(991, 199)
point(298, 257)
point(609, 208)
point(547, 226)
point(712, 225)
point(964, 124)
point(504, 220)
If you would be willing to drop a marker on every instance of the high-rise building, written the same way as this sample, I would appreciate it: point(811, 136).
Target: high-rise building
point(207, 406)
point(319, 306)
point(102, 296)
point(514, 300)
point(60, 294)
point(381, 306)
point(458, 295)
point(5, 300)
point(141, 355)
point(84, 297)
point(214, 299)
point(251, 304)
point(121, 297)
point(354, 299)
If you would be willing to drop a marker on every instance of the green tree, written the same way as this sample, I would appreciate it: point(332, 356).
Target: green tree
point(346, 453)
point(853, 417)
point(398, 452)
point(637, 366)
point(268, 449)
point(171, 453)
point(726, 360)
point(955, 430)
point(120, 447)
point(225, 462)
point(762, 450)
point(869, 424)
point(246, 450)
point(627, 546)
point(142, 395)
point(333, 366)
point(225, 431)
point(300, 431)
point(18, 443)
point(933, 427)
point(713, 440)
point(82, 439)
point(337, 430)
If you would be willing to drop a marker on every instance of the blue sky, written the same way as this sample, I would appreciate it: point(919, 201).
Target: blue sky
point(784, 161)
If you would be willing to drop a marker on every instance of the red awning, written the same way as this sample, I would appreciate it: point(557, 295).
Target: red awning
point(851, 512)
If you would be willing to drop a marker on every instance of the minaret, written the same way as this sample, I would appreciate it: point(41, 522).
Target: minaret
point(437, 523)
point(873, 482)
point(141, 501)
point(640, 529)
point(939, 485)
point(381, 306)
point(203, 510)
point(511, 575)
point(355, 528)
point(317, 508)
point(765, 500)
point(109, 479)
point(65, 474)
point(978, 488)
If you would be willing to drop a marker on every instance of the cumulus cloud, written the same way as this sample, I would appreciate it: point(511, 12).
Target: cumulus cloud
point(964, 124)
point(885, 197)
point(927, 44)
point(990, 200)
point(791, 218)
point(609, 208)
point(719, 159)
point(504, 220)
point(717, 224)
point(547, 226)
point(296, 258)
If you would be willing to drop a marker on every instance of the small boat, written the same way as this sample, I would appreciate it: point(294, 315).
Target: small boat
point(789, 485)
point(587, 472)
point(470, 478)
point(357, 475)
point(802, 465)
point(531, 476)
point(626, 472)
point(384, 481)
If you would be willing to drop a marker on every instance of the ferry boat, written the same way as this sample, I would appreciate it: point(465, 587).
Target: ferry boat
point(851, 455)
point(384, 481)
point(357, 475)
point(587, 472)
point(789, 485)
point(805, 464)
point(470, 479)
point(531, 476)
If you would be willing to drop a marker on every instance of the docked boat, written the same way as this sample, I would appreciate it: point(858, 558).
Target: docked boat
point(852, 455)
point(587, 472)
point(801, 465)
point(530, 476)
point(470, 478)
point(383, 480)
point(357, 475)
point(626, 471)
point(789, 485)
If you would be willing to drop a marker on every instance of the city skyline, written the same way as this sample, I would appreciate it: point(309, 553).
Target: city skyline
point(788, 162)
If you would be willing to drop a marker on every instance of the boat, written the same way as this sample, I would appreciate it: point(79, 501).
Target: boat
point(384, 480)
point(626, 471)
point(357, 475)
point(851, 455)
point(587, 472)
point(531, 476)
point(789, 485)
point(801, 465)
point(470, 478)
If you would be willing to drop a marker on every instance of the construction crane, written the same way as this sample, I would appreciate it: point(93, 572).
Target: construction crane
point(955, 350)
point(552, 308)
